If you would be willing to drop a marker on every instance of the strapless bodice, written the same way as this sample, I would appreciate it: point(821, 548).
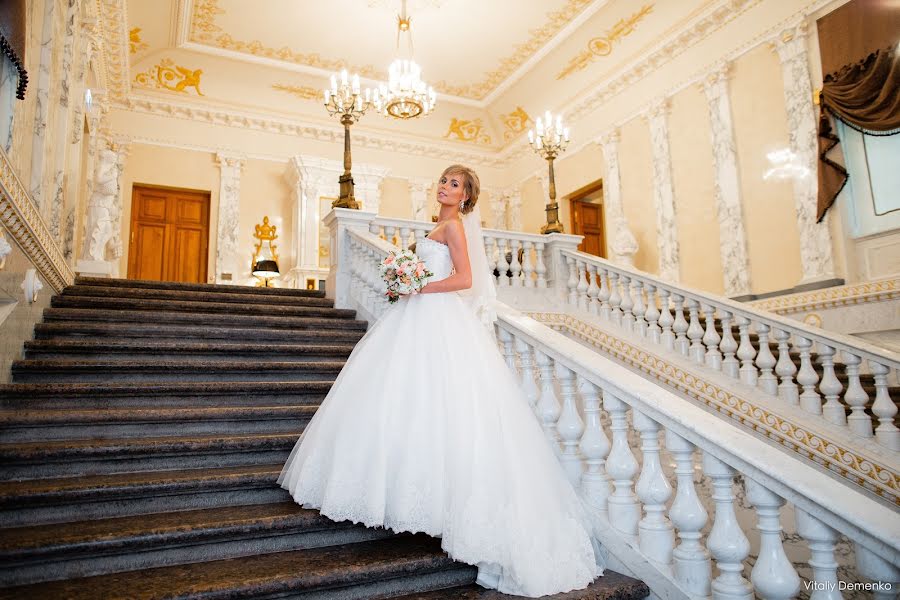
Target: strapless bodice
point(436, 256)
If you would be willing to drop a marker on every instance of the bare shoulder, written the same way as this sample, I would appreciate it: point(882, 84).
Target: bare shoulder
point(454, 233)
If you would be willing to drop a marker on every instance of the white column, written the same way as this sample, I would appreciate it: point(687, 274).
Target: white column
point(420, 189)
point(227, 258)
point(663, 193)
point(42, 107)
point(622, 243)
point(512, 198)
point(310, 178)
point(729, 204)
point(368, 180)
point(815, 238)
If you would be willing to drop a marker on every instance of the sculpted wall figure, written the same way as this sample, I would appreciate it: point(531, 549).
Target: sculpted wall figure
point(102, 211)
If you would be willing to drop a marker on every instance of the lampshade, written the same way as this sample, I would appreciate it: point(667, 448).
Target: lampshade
point(266, 268)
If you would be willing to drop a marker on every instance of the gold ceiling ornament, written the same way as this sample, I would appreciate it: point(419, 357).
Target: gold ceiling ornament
point(468, 130)
point(205, 30)
point(603, 45)
point(135, 43)
point(301, 91)
point(167, 75)
point(515, 123)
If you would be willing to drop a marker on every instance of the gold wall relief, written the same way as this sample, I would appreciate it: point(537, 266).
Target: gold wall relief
point(468, 131)
point(135, 43)
point(603, 45)
point(204, 18)
point(167, 75)
point(301, 91)
point(515, 122)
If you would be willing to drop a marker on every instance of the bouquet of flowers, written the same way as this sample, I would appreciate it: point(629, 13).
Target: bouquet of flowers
point(403, 274)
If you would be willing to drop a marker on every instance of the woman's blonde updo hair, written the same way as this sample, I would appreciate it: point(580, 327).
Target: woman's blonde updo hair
point(471, 186)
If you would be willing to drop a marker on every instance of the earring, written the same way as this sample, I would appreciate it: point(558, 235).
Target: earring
point(462, 204)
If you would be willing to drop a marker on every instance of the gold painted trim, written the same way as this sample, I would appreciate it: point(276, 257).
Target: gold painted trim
point(468, 130)
point(515, 123)
point(305, 92)
point(862, 471)
point(834, 297)
point(169, 76)
point(204, 30)
point(135, 43)
point(603, 45)
point(23, 221)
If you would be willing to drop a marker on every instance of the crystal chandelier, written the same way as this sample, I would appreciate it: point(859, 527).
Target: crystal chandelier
point(405, 96)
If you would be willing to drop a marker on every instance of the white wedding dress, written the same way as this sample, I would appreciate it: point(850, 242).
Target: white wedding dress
point(426, 430)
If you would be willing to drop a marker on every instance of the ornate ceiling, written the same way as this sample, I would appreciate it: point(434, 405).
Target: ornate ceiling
point(494, 64)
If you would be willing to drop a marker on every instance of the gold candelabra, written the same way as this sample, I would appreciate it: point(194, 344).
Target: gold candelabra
point(346, 101)
point(548, 139)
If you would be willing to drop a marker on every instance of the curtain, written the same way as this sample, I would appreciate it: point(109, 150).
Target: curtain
point(13, 38)
point(866, 97)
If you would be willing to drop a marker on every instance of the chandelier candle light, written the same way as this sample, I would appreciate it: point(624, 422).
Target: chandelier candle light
point(345, 100)
point(548, 139)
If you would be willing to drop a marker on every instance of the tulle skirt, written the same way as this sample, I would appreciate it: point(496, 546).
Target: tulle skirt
point(426, 430)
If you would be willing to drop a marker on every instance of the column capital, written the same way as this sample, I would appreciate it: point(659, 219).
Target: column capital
point(659, 108)
point(715, 82)
point(609, 138)
point(420, 184)
point(790, 43)
point(229, 161)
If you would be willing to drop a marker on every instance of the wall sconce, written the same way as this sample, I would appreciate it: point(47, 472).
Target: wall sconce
point(265, 260)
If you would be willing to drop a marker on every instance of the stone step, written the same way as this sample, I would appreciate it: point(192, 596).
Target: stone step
point(61, 458)
point(198, 287)
point(248, 308)
point(141, 371)
point(64, 499)
point(612, 586)
point(112, 348)
point(114, 423)
point(365, 570)
point(162, 394)
point(194, 296)
point(205, 319)
point(102, 546)
point(179, 331)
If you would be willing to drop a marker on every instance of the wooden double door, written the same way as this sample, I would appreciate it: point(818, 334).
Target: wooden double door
point(169, 234)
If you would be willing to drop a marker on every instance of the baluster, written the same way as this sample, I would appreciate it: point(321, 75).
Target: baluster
point(595, 447)
point(785, 368)
point(593, 290)
point(730, 365)
point(389, 233)
point(652, 314)
point(502, 264)
point(831, 388)
point(711, 338)
point(810, 401)
point(540, 268)
point(884, 409)
point(693, 569)
point(417, 234)
point(680, 326)
point(667, 337)
point(604, 309)
point(570, 425)
point(856, 398)
point(624, 510)
point(821, 539)
point(526, 360)
point(765, 361)
point(527, 267)
point(509, 354)
point(773, 575)
point(746, 352)
point(572, 282)
point(656, 535)
point(354, 270)
point(368, 280)
point(640, 325)
point(514, 265)
point(548, 405)
point(615, 301)
point(627, 303)
point(582, 287)
point(726, 542)
point(489, 253)
point(404, 237)
point(695, 332)
point(876, 569)
point(375, 229)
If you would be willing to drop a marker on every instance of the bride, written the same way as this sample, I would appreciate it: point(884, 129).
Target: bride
point(426, 429)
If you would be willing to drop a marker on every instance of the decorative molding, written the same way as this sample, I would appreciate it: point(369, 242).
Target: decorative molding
point(135, 43)
point(864, 471)
point(468, 130)
point(833, 297)
point(24, 223)
point(115, 65)
point(169, 76)
point(515, 122)
point(306, 92)
point(603, 45)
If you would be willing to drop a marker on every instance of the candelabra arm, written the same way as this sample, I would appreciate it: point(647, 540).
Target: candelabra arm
point(346, 199)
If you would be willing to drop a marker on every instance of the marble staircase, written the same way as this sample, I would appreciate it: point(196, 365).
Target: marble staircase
point(140, 441)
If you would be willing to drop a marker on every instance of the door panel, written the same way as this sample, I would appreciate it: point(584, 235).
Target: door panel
point(587, 220)
point(169, 235)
